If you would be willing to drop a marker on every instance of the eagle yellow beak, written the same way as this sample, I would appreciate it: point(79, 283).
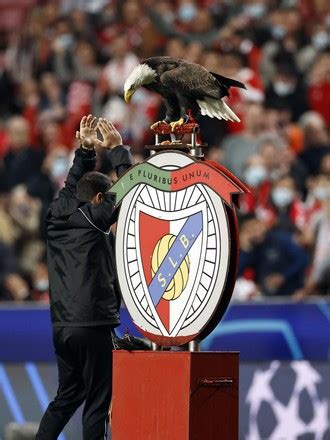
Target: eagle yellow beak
point(128, 95)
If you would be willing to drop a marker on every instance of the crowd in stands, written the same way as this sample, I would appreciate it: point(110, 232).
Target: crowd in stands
point(60, 60)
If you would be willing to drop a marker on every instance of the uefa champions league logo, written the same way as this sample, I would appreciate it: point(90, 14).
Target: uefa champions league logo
point(173, 244)
point(288, 422)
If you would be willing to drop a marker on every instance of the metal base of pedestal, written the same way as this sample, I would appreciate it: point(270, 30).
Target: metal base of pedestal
point(175, 395)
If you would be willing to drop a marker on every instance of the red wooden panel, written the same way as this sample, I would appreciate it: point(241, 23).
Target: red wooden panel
point(150, 396)
point(159, 396)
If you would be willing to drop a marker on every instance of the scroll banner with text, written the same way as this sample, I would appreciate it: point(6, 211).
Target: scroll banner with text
point(176, 180)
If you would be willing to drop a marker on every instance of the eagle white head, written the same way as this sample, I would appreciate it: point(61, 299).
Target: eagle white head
point(140, 75)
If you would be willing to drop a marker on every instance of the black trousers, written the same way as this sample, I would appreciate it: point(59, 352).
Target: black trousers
point(84, 359)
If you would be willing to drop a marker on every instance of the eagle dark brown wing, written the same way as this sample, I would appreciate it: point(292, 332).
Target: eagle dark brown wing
point(191, 80)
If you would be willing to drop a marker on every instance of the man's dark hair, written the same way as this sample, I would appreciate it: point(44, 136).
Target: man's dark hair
point(245, 218)
point(91, 184)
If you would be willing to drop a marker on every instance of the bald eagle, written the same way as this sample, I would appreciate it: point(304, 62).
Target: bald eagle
point(183, 85)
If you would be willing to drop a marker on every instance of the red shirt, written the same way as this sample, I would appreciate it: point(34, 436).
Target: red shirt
point(318, 96)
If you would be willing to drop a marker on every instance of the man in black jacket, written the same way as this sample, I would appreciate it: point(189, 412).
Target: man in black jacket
point(84, 300)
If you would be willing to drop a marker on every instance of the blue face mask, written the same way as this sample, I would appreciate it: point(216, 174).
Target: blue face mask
point(41, 285)
point(59, 167)
point(321, 40)
point(278, 32)
point(65, 41)
point(187, 12)
point(283, 88)
point(255, 174)
point(322, 193)
point(282, 197)
point(256, 10)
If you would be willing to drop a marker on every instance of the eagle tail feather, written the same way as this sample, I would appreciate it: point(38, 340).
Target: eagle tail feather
point(214, 105)
point(204, 107)
point(224, 114)
point(228, 82)
point(230, 112)
point(217, 108)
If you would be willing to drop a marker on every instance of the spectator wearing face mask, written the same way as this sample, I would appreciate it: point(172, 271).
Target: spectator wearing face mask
point(316, 196)
point(285, 210)
point(318, 236)
point(319, 41)
point(289, 37)
point(277, 263)
point(40, 282)
point(285, 88)
point(63, 43)
point(257, 179)
point(193, 23)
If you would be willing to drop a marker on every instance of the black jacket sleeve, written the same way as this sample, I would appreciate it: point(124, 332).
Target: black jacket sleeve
point(121, 159)
point(102, 216)
point(84, 161)
point(67, 203)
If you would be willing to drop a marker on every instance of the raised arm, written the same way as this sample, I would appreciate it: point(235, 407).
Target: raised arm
point(102, 215)
point(119, 154)
point(85, 158)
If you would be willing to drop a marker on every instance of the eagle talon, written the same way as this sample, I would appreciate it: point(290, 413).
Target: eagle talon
point(157, 124)
point(176, 124)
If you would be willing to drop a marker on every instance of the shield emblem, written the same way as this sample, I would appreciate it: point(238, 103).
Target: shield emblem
point(169, 251)
point(173, 250)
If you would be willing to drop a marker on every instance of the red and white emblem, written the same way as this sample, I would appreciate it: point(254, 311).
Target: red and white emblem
point(173, 252)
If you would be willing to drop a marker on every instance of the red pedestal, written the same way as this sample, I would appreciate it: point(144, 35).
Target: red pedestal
point(175, 395)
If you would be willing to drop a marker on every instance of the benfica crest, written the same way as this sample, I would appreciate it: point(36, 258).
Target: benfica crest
point(176, 245)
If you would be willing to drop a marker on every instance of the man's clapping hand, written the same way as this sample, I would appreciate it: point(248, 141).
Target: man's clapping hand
point(87, 134)
point(111, 137)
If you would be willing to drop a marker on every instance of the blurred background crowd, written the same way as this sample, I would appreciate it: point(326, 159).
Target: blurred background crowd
point(61, 60)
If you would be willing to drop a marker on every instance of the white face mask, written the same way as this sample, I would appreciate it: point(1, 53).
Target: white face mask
point(282, 197)
point(255, 10)
point(187, 12)
point(321, 193)
point(64, 41)
point(283, 88)
point(59, 167)
point(320, 40)
point(41, 285)
point(255, 174)
point(278, 32)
